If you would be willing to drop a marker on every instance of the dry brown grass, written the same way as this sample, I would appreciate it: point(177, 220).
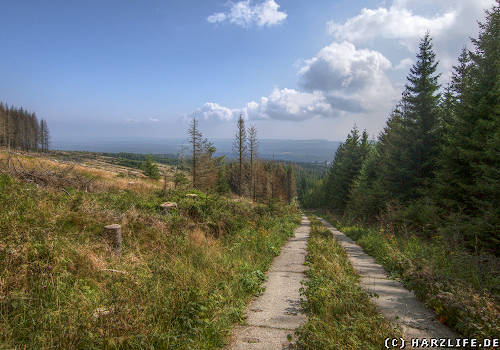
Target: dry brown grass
point(177, 281)
point(107, 177)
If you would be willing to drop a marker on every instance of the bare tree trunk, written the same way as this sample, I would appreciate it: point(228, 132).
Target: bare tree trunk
point(195, 140)
point(240, 145)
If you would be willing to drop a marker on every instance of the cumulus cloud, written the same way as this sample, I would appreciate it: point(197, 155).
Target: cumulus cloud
point(339, 80)
point(211, 110)
point(351, 79)
point(281, 104)
point(405, 21)
point(245, 14)
point(402, 24)
point(392, 23)
point(342, 66)
point(289, 104)
point(344, 80)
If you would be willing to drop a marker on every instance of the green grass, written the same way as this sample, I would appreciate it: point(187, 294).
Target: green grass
point(340, 313)
point(182, 282)
point(461, 289)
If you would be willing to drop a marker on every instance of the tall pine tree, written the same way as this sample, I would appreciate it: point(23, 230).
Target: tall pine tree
point(468, 180)
point(409, 143)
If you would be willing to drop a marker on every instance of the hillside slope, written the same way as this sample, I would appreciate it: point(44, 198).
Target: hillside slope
point(183, 279)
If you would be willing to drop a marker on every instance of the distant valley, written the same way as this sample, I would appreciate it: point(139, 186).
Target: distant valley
point(289, 150)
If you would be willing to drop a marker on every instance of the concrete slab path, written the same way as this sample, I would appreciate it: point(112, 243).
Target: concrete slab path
point(394, 301)
point(272, 318)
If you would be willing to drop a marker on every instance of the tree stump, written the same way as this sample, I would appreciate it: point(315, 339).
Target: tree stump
point(114, 234)
point(167, 207)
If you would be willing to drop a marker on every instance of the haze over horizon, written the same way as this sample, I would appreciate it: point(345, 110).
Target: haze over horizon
point(294, 69)
point(305, 151)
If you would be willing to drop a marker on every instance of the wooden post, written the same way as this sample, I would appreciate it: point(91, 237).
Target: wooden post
point(114, 234)
point(164, 183)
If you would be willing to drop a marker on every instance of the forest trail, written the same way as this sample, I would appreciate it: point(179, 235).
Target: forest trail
point(273, 317)
point(394, 301)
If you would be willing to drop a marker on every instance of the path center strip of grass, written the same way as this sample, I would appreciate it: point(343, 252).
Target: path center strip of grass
point(460, 288)
point(340, 313)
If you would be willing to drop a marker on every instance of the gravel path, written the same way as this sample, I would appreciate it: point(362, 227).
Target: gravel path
point(274, 315)
point(393, 300)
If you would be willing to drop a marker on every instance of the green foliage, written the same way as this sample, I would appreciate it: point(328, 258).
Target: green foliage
point(366, 198)
point(468, 181)
point(222, 184)
point(408, 146)
point(307, 176)
point(460, 288)
point(437, 157)
point(149, 168)
point(181, 283)
point(134, 160)
point(180, 179)
point(340, 313)
point(432, 185)
point(346, 165)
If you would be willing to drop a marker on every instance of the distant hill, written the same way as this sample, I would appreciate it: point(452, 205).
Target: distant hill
point(290, 150)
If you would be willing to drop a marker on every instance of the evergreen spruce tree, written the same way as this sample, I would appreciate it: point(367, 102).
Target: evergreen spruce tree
point(409, 143)
point(454, 173)
point(422, 117)
point(346, 165)
point(365, 200)
point(149, 168)
point(395, 179)
point(469, 175)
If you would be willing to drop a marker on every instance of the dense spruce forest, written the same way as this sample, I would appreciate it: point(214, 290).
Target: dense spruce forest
point(434, 169)
point(21, 129)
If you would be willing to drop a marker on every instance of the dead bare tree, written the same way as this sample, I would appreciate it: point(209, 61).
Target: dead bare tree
point(240, 148)
point(196, 141)
point(41, 175)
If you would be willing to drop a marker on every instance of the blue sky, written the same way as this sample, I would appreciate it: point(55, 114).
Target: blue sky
point(296, 69)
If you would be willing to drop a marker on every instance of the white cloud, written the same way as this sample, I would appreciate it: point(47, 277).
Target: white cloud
point(338, 81)
point(402, 24)
point(351, 79)
point(404, 64)
point(281, 104)
point(342, 66)
point(289, 104)
point(217, 17)
point(345, 81)
point(211, 110)
point(244, 14)
point(450, 23)
point(392, 23)
point(154, 120)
